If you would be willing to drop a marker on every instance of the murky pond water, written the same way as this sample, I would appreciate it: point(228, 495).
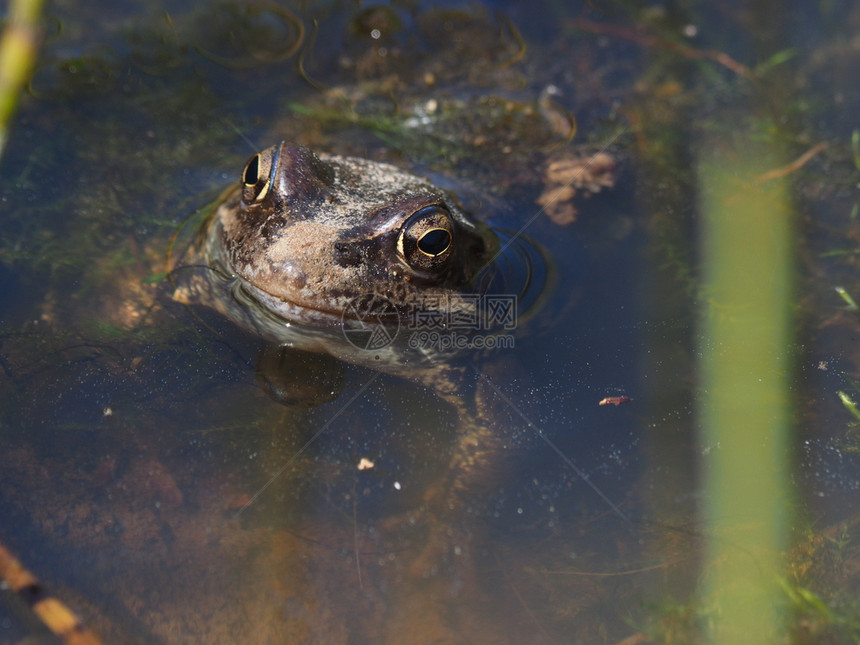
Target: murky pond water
point(150, 480)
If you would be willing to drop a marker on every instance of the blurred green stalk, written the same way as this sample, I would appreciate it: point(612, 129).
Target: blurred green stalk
point(745, 413)
point(19, 45)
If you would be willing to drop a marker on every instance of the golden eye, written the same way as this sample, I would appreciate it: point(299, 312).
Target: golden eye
point(426, 238)
point(258, 175)
point(252, 171)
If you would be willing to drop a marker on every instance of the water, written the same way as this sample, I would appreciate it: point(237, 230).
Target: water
point(149, 480)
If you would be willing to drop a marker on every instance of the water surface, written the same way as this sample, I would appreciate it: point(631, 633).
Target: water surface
point(151, 482)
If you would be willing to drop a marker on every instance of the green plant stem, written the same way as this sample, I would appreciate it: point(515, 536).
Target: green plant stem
point(746, 410)
point(19, 45)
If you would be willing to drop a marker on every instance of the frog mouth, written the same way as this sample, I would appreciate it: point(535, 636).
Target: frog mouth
point(279, 310)
point(521, 269)
point(259, 308)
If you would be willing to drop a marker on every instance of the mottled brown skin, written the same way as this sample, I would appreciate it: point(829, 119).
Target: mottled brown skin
point(304, 235)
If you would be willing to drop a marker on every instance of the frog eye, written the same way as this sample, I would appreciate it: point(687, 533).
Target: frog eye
point(426, 238)
point(257, 176)
point(434, 242)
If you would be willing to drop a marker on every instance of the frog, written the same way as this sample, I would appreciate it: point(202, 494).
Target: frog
point(294, 248)
point(312, 251)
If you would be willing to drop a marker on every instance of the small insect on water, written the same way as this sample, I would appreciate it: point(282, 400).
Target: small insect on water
point(56, 616)
point(615, 400)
